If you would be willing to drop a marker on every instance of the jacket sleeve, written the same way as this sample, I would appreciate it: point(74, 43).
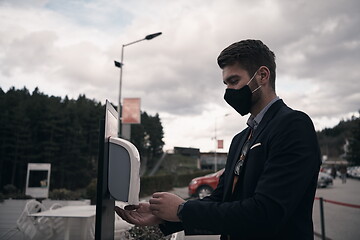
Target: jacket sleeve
point(216, 196)
point(172, 227)
point(292, 162)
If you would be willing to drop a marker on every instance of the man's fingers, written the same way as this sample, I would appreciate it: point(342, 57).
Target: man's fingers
point(156, 213)
point(120, 212)
point(155, 207)
point(126, 215)
point(131, 207)
point(132, 217)
point(157, 195)
point(154, 201)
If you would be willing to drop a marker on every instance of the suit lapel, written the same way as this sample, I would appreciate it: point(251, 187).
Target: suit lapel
point(238, 150)
point(266, 119)
point(234, 158)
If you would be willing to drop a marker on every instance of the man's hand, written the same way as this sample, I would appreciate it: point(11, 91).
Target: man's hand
point(165, 205)
point(139, 215)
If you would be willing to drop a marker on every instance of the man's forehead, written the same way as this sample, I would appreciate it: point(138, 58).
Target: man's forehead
point(235, 69)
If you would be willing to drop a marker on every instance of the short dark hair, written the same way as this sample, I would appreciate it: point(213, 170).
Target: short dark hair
point(251, 55)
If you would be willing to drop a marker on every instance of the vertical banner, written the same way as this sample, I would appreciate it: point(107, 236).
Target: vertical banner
point(220, 144)
point(131, 111)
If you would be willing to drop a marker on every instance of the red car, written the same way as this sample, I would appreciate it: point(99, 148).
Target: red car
point(201, 187)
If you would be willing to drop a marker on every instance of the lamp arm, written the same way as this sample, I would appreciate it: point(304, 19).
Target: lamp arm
point(133, 42)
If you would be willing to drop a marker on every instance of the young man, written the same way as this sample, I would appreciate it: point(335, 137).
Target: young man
point(268, 186)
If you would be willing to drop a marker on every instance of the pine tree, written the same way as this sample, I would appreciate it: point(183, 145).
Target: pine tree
point(353, 154)
point(37, 128)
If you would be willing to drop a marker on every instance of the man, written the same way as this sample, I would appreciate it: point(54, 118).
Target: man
point(268, 186)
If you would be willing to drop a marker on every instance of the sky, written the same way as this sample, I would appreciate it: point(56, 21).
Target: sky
point(68, 48)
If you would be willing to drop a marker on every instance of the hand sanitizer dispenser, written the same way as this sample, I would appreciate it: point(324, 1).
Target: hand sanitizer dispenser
point(124, 166)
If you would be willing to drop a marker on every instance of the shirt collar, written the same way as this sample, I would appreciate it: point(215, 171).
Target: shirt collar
point(254, 121)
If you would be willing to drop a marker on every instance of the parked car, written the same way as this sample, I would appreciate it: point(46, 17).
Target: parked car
point(354, 172)
point(201, 187)
point(324, 180)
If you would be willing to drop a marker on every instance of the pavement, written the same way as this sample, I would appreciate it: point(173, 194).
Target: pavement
point(341, 222)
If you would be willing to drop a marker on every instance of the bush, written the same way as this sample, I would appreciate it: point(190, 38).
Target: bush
point(183, 180)
point(161, 183)
point(147, 233)
point(90, 191)
point(19, 196)
point(149, 185)
point(10, 189)
point(64, 194)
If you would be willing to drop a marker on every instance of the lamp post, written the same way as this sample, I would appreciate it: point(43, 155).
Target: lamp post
point(216, 143)
point(120, 65)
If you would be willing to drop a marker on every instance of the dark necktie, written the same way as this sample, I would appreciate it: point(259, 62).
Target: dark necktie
point(239, 164)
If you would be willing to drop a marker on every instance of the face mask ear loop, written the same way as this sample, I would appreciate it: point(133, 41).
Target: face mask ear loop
point(256, 89)
point(251, 78)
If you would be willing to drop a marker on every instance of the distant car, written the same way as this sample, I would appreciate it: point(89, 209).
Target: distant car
point(201, 187)
point(354, 172)
point(324, 180)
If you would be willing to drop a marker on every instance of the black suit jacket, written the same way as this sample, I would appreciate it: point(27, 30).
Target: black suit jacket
point(276, 188)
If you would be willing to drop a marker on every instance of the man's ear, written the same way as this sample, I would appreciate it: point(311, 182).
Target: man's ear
point(264, 73)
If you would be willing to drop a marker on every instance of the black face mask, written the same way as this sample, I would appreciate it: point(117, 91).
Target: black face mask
point(239, 99)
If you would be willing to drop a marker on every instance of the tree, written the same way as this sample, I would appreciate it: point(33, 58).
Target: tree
point(353, 153)
point(148, 138)
point(332, 140)
point(37, 128)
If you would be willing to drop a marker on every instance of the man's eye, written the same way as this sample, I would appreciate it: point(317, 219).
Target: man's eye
point(233, 82)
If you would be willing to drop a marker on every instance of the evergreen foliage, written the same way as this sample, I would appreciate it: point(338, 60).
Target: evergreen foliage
point(37, 128)
point(353, 154)
point(147, 137)
point(333, 140)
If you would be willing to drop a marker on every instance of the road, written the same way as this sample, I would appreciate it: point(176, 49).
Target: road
point(341, 222)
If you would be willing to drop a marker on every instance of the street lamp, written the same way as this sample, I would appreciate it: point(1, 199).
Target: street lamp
point(120, 65)
point(216, 142)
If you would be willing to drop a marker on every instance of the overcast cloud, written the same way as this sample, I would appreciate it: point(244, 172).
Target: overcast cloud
point(68, 48)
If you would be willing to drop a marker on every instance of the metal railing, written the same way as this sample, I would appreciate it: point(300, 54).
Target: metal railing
point(322, 218)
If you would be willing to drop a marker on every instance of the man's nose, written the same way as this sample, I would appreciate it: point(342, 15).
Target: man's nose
point(231, 87)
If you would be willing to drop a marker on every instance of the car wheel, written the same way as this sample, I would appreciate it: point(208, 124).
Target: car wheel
point(204, 191)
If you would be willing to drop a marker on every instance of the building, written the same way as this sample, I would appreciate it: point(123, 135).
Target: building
point(210, 159)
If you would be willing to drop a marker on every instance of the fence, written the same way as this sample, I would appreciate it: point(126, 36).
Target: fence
point(322, 219)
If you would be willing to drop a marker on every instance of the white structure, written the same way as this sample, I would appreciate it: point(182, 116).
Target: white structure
point(124, 166)
point(38, 180)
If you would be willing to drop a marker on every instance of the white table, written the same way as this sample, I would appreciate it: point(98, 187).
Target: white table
point(68, 213)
